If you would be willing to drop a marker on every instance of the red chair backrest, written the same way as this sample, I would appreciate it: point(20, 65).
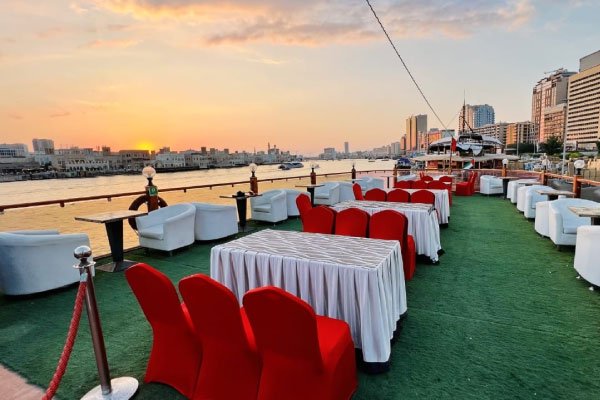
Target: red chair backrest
point(156, 294)
point(318, 220)
point(427, 178)
point(402, 184)
point(357, 192)
point(228, 355)
point(284, 326)
point(419, 185)
point(375, 194)
point(422, 196)
point(352, 222)
point(446, 179)
point(389, 225)
point(438, 185)
point(399, 196)
point(303, 204)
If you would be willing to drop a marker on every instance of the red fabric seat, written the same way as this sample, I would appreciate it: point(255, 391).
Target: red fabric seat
point(229, 350)
point(403, 184)
point(441, 186)
point(398, 196)
point(466, 188)
point(419, 185)
point(304, 356)
point(427, 178)
point(318, 220)
point(303, 204)
point(352, 222)
point(422, 196)
point(357, 192)
point(375, 194)
point(392, 225)
point(446, 179)
point(176, 355)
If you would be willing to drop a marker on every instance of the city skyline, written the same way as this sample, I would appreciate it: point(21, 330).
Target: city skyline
point(304, 75)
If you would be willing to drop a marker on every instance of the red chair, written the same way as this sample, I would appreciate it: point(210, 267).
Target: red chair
point(399, 196)
point(176, 354)
point(229, 351)
point(352, 222)
point(304, 356)
point(375, 194)
point(446, 179)
point(392, 225)
point(303, 204)
point(419, 185)
point(318, 220)
point(426, 178)
point(422, 196)
point(466, 188)
point(402, 184)
point(441, 186)
point(357, 192)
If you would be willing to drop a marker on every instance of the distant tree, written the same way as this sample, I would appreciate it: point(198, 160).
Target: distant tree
point(553, 145)
point(598, 146)
point(574, 155)
point(523, 147)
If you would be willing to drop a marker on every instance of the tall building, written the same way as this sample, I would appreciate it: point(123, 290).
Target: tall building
point(346, 148)
point(395, 148)
point(415, 124)
point(549, 93)
point(583, 106)
point(13, 150)
point(520, 132)
point(476, 116)
point(44, 146)
point(497, 131)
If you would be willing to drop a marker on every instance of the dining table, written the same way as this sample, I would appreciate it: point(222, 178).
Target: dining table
point(442, 202)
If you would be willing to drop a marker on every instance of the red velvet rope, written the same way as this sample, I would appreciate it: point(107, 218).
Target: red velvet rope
point(66, 353)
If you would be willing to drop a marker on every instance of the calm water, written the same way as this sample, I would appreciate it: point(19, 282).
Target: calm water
point(54, 189)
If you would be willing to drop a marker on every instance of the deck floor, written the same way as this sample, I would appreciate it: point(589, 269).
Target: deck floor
point(501, 316)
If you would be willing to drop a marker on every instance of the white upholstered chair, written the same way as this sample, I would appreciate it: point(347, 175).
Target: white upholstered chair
point(214, 221)
point(489, 184)
point(586, 254)
point(36, 261)
point(328, 194)
point(167, 228)
point(513, 186)
point(271, 206)
point(376, 183)
point(563, 223)
point(292, 208)
point(541, 218)
point(346, 192)
point(527, 194)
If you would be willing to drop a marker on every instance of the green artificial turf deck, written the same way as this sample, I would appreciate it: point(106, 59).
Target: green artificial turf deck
point(501, 316)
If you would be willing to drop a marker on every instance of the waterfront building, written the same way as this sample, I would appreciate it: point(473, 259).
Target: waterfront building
point(395, 148)
point(13, 150)
point(520, 132)
point(554, 122)
point(346, 148)
point(549, 92)
point(170, 160)
point(497, 131)
point(329, 153)
point(135, 160)
point(415, 124)
point(476, 116)
point(583, 106)
point(43, 146)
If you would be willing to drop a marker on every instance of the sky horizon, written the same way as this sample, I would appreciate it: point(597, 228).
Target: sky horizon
point(302, 75)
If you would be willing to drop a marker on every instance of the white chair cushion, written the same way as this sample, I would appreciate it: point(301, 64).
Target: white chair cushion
point(153, 232)
point(262, 208)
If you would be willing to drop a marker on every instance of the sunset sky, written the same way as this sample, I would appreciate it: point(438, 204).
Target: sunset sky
point(301, 74)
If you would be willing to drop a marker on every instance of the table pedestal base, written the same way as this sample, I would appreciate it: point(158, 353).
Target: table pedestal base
point(116, 266)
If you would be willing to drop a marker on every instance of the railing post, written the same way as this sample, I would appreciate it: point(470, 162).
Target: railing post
point(544, 178)
point(151, 190)
point(576, 187)
point(253, 179)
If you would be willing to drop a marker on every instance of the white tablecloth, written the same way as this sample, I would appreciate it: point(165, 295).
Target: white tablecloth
point(358, 280)
point(442, 202)
point(422, 219)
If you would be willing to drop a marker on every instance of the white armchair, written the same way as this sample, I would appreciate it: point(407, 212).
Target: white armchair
point(271, 206)
point(513, 186)
point(346, 192)
point(563, 223)
point(376, 183)
point(292, 208)
point(36, 261)
point(525, 192)
point(214, 221)
point(329, 194)
point(489, 184)
point(167, 228)
point(586, 254)
point(532, 200)
point(541, 218)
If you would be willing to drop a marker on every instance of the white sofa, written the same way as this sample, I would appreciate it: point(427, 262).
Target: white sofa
point(328, 194)
point(527, 197)
point(346, 192)
point(214, 221)
point(271, 206)
point(563, 223)
point(586, 254)
point(513, 186)
point(167, 228)
point(489, 184)
point(36, 261)
point(541, 218)
point(291, 196)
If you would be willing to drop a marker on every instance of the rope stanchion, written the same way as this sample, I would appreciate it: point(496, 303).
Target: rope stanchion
point(69, 342)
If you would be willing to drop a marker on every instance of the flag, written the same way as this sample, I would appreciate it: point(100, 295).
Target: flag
point(453, 145)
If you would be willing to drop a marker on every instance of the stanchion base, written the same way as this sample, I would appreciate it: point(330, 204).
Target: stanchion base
point(122, 389)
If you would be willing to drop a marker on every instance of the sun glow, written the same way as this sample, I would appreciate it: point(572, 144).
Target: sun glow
point(145, 145)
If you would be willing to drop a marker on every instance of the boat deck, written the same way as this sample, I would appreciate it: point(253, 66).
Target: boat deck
point(501, 316)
